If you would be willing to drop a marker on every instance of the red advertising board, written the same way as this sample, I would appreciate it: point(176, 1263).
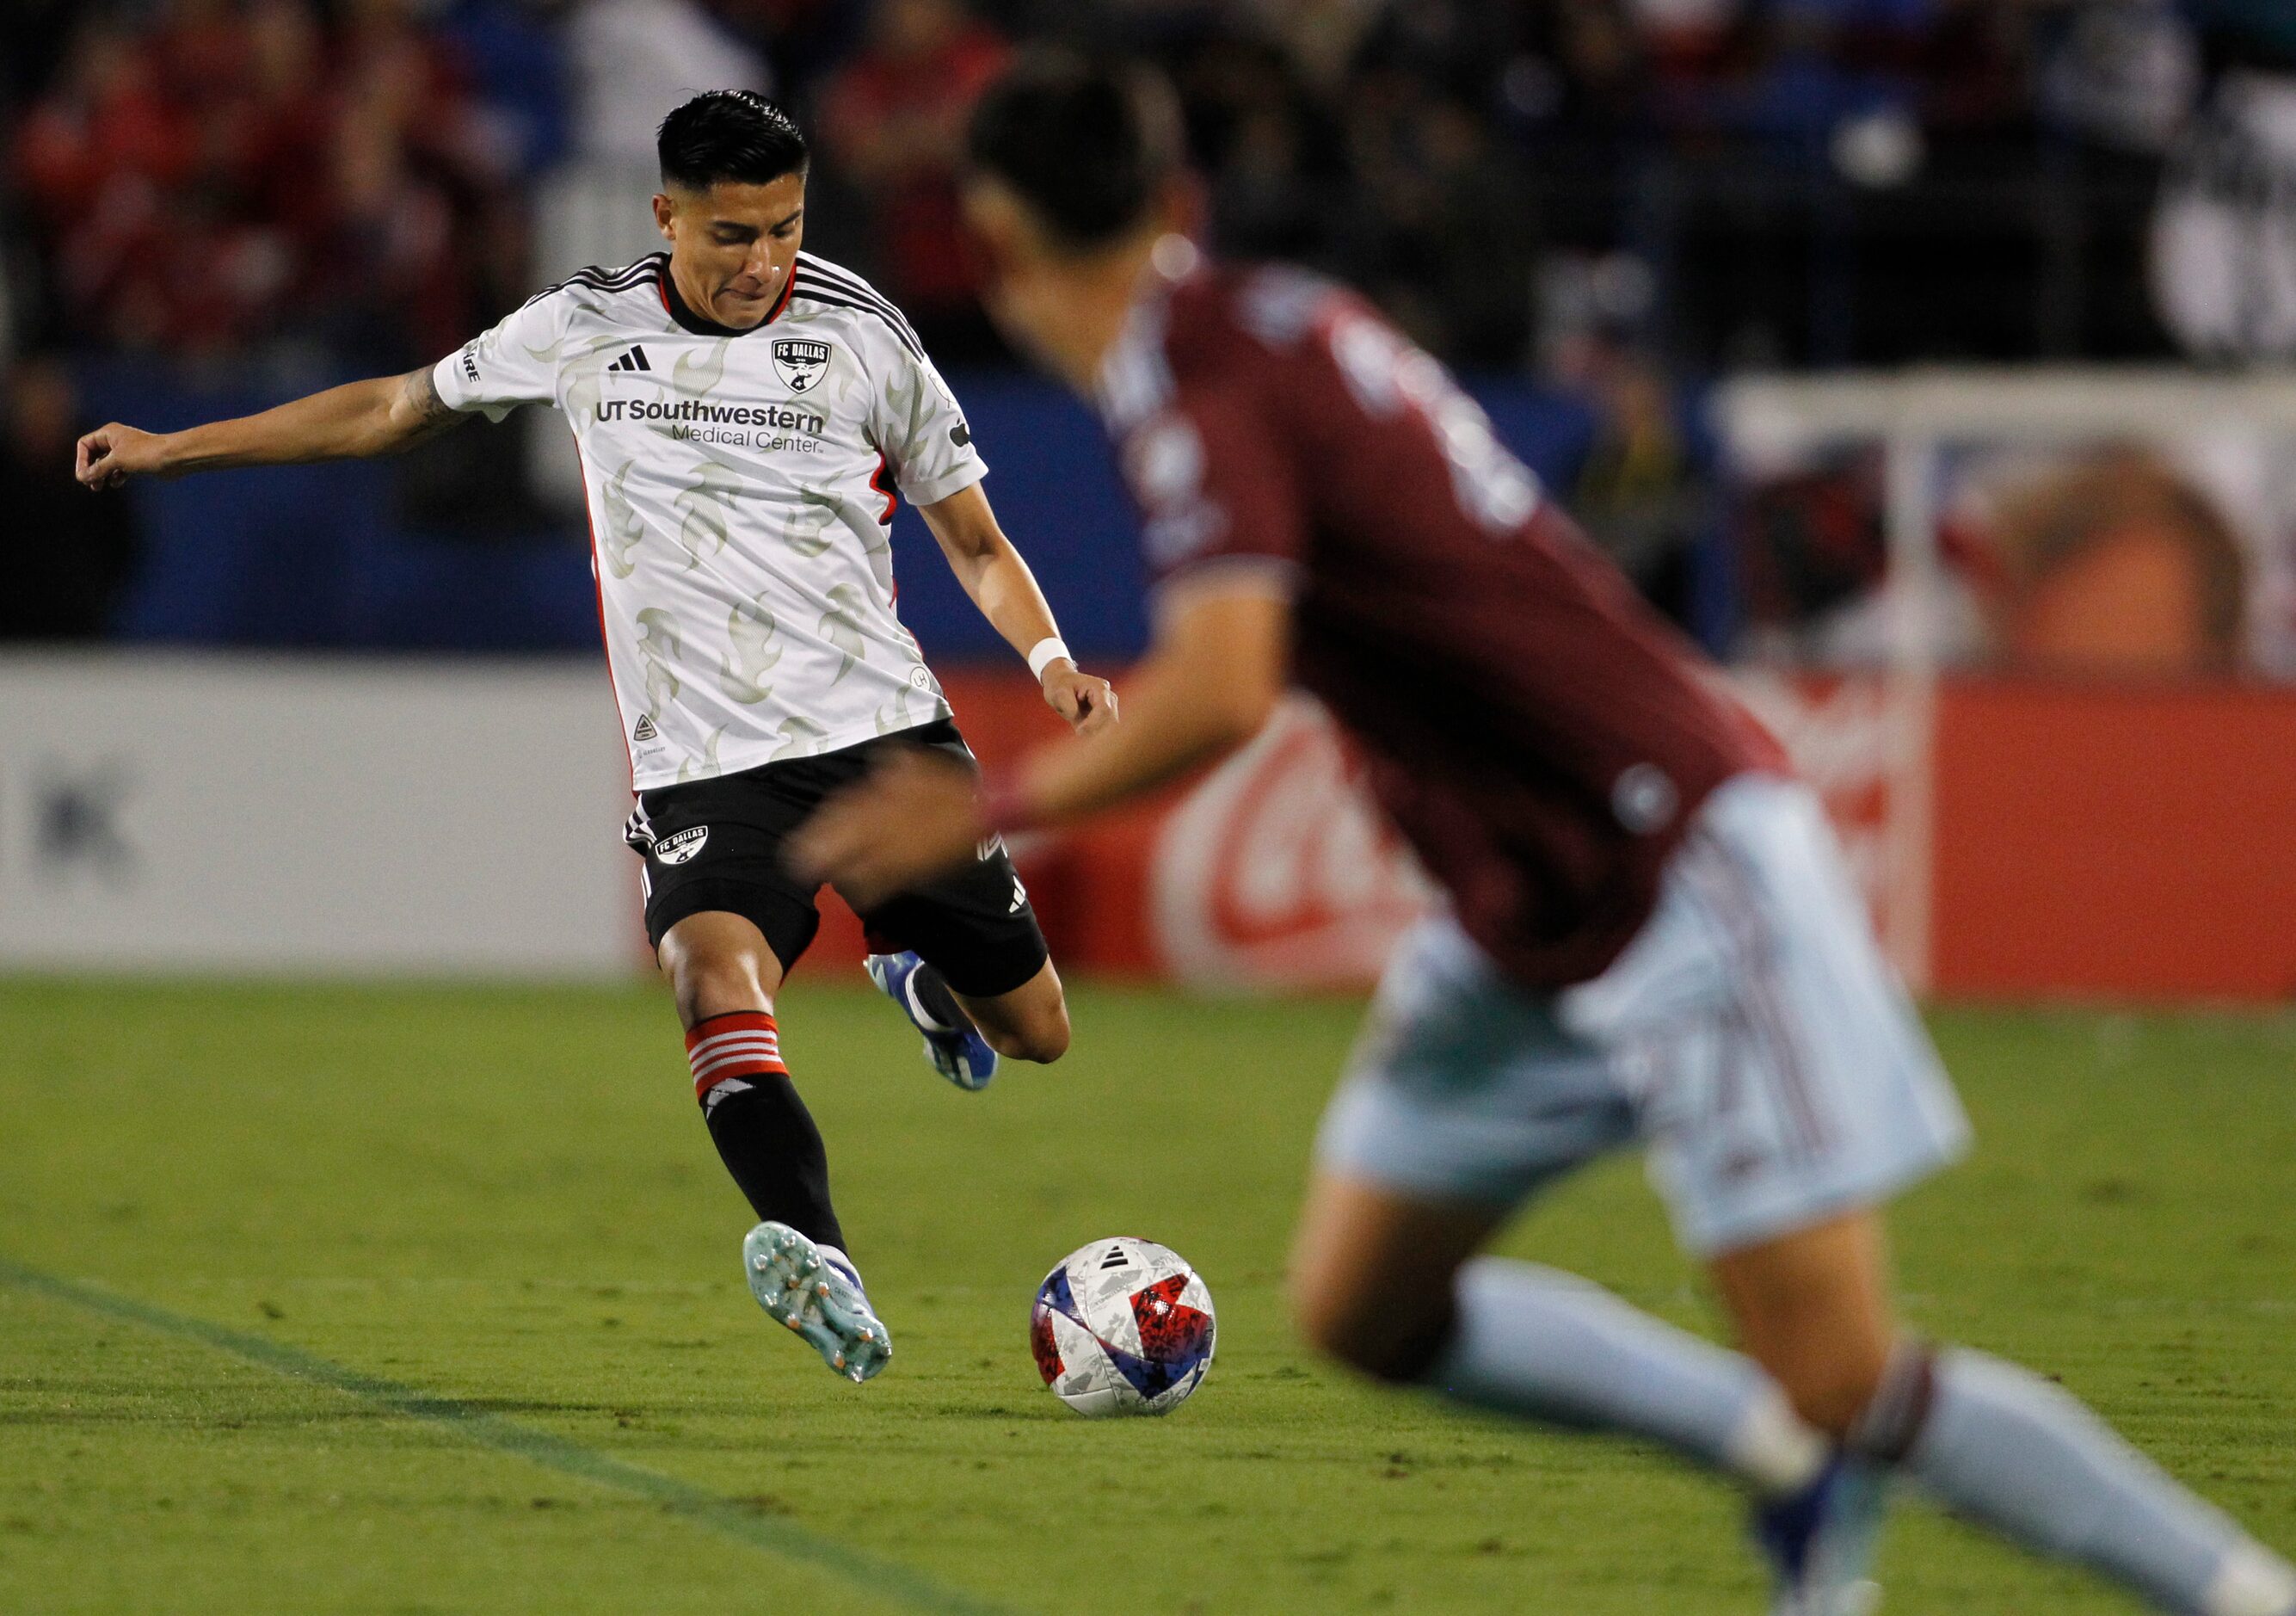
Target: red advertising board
point(2077, 841)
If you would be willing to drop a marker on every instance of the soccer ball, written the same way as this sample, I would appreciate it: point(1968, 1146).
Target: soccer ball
point(1122, 1326)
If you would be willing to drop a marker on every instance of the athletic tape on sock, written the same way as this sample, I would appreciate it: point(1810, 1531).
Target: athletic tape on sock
point(726, 1051)
point(1892, 1423)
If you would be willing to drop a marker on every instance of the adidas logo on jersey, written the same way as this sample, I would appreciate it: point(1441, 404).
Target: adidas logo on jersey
point(635, 359)
point(646, 731)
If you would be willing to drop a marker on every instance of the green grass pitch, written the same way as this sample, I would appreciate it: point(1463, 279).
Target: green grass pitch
point(428, 1300)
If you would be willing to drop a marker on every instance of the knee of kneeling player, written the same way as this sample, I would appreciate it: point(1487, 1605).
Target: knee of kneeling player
point(1832, 1394)
point(1365, 1333)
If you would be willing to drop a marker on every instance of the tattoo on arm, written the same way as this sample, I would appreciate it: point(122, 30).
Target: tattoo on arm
point(433, 415)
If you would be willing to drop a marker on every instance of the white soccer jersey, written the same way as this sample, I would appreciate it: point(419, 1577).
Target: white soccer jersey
point(740, 495)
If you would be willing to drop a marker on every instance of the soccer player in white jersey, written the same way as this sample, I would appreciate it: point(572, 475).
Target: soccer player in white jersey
point(746, 414)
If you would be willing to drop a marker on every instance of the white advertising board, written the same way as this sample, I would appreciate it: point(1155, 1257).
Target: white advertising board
point(297, 814)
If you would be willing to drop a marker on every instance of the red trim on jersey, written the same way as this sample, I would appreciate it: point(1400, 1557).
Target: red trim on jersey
point(598, 588)
point(882, 480)
point(788, 287)
point(699, 322)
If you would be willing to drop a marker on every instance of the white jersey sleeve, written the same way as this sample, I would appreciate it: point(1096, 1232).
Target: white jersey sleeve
point(920, 429)
point(514, 363)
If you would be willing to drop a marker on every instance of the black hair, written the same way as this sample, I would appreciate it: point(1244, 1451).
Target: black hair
point(729, 135)
point(1086, 144)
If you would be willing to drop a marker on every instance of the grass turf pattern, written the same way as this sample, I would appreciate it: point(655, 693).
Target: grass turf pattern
point(414, 1300)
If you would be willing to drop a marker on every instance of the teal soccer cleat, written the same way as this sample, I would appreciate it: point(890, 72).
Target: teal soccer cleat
point(959, 1053)
point(1820, 1542)
point(816, 1291)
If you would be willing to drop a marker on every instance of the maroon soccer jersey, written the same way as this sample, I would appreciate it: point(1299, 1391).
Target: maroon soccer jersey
point(1537, 733)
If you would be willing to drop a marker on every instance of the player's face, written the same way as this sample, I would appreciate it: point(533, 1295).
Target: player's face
point(731, 247)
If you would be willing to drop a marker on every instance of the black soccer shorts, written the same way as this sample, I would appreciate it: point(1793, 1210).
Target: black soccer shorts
point(718, 844)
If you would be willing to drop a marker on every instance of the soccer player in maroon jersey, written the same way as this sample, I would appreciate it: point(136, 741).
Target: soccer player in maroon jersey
point(1651, 939)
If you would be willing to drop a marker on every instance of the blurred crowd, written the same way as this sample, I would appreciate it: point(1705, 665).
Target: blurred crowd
point(1608, 194)
point(1752, 179)
point(204, 176)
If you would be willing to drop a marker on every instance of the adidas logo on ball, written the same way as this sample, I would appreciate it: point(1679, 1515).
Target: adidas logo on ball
point(1122, 1327)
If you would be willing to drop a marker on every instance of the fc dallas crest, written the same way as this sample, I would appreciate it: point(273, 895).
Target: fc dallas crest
point(801, 361)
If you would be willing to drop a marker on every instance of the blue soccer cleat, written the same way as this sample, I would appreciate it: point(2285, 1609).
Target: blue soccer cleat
point(1820, 1541)
point(959, 1054)
point(816, 1291)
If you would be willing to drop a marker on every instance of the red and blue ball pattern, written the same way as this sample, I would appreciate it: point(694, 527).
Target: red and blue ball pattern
point(1122, 1326)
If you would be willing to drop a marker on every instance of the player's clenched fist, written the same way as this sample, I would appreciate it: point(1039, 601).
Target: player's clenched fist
point(1087, 701)
point(111, 454)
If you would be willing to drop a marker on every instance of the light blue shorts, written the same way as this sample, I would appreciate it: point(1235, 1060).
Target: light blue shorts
point(1752, 1039)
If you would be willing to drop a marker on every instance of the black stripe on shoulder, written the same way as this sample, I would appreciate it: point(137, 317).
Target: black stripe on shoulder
point(896, 326)
point(853, 285)
point(613, 279)
point(584, 282)
point(629, 278)
point(814, 260)
point(846, 280)
point(893, 322)
point(838, 273)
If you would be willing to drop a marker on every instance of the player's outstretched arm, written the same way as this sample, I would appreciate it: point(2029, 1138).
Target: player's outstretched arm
point(350, 423)
point(1218, 664)
point(998, 578)
point(1218, 667)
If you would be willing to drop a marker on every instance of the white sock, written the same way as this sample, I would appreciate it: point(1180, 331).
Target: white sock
point(1550, 1347)
point(2004, 1447)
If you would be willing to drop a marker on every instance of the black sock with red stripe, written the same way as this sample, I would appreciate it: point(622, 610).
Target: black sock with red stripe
point(763, 1132)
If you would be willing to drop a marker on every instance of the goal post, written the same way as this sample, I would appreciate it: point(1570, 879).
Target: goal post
point(1865, 731)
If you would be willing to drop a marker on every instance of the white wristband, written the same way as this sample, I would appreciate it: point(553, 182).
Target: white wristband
point(1048, 651)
